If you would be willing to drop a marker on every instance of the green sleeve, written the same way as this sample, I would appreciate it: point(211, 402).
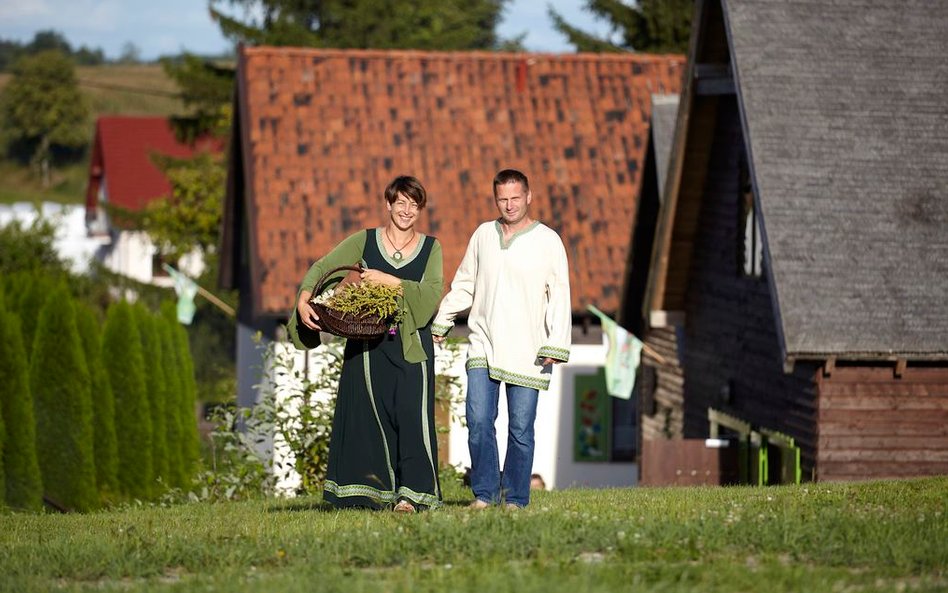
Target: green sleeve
point(346, 253)
point(420, 302)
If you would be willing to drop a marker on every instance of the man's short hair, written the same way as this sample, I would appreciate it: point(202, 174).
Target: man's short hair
point(510, 176)
point(409, 187)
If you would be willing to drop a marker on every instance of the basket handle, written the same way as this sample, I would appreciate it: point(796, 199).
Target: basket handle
point(319, 285)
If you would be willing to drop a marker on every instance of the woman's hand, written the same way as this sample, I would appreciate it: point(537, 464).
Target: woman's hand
point(307, 314)
point(380, 277)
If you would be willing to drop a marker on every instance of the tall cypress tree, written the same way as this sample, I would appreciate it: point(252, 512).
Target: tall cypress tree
point(125, 365)
point(33, 295)
point(169, 361)
point(62, 395)
point(24, 487)
point(157, 389)
point(190, 451)
point(103, 404)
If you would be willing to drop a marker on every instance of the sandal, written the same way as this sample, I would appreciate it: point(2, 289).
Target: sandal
point(404, 506)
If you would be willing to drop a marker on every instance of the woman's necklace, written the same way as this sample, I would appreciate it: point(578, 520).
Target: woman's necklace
point(397, 256)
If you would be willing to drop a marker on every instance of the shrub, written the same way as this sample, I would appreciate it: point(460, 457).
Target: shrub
point(169, 362)
point(157, 387)
point(24, 487)
point(103, 404)
point(187, 400)
point(61, 390)
point(125, 365)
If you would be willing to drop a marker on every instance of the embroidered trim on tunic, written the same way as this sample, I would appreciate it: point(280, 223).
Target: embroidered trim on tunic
point(424, 498)
point(500, 233)
point(498, 374)
point(399, 263)
point(424, 427)
point(440, 330)
point(368, 385)
point(380, 496)
point(554, 352)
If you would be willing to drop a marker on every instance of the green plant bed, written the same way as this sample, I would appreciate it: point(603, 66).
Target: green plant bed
point(878, 536)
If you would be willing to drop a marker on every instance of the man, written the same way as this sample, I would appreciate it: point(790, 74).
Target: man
point(515, 279)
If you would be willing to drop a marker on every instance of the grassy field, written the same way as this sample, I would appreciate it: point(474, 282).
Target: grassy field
point(111, 89)
point(880, 536)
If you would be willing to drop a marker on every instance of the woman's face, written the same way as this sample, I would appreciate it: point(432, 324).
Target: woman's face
point(404, 212)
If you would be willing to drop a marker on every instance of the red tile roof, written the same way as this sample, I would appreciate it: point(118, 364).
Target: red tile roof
point(323, 131)
point(121, 158)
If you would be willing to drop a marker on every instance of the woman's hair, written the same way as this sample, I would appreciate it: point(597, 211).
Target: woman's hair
point(409, 187)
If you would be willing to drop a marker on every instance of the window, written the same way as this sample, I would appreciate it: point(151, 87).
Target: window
point(750, 250)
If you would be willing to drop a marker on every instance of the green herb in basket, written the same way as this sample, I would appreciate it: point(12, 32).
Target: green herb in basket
point(365, 299)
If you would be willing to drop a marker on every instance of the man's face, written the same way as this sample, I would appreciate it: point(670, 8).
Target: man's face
point(512, 201)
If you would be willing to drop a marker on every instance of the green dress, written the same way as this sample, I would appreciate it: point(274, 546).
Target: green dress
point(383, 446)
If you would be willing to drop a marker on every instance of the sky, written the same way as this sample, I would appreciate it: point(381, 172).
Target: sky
point(162, 27)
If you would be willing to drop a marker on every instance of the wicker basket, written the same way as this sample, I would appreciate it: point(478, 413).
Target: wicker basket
point(342, 324)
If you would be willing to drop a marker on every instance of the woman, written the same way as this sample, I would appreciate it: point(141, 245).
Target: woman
point(383, 450)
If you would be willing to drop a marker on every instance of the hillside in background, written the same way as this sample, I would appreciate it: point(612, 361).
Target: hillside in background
point(140, 89)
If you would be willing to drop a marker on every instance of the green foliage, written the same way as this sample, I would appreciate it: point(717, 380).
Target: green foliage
point(191, 216)
point(59, 381)
point(169, 362)
point(295, 408)
point(652, 26)
point(24, 487)
point(33, 294)
point(207, 88)
point(3, 443)
point(125, 365)
point(43, 108)
point(11, 51)
point(381, 24)
point(29, 248)
point(187, 405)
point(156, 384)
point(103, 403)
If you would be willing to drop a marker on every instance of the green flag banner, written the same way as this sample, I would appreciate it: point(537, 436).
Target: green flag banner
point(622, 358)
point(186, 289)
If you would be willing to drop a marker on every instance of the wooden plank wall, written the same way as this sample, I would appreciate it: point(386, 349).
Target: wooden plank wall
point(664, 419)
point(873, 425)
point(732, 357)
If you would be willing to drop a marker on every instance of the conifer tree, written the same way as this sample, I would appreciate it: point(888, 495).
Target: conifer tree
point(190, 452)
point(62, 395)
point(653, 26)
point(24, 487)
point(125, 365)
point(3, 442)
point(169, 361)
point(103, 404)
point(157, 389)
point(36, 289)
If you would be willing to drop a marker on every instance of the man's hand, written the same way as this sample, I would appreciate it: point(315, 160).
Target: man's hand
point(549, 360)
point(438, 339)
point(307, 314)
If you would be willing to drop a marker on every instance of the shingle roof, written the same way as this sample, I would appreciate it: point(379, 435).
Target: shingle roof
point(845, 108)
point(323, 132)
point(121, 155)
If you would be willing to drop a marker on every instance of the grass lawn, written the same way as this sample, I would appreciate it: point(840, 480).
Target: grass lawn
point(879, 536)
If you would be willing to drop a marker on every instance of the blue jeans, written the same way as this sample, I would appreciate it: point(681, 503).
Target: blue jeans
point(483, 394)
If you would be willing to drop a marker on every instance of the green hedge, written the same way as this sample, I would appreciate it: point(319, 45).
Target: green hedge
point(169, 361)
point(62, 395)
point(125, 365)
point(156, 383)
point(24, 487)
point(103, 404)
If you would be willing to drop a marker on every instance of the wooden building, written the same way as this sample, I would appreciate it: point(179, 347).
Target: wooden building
point(801, 249)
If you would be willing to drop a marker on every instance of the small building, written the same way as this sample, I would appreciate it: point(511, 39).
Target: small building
point(122, 173)
point(801, 252)
point(319, 134)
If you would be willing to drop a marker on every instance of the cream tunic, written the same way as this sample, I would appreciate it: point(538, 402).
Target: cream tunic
point(518, 293)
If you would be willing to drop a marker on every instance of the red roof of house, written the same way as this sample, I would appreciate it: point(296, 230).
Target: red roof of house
point(121, 159)
point(322, 132)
